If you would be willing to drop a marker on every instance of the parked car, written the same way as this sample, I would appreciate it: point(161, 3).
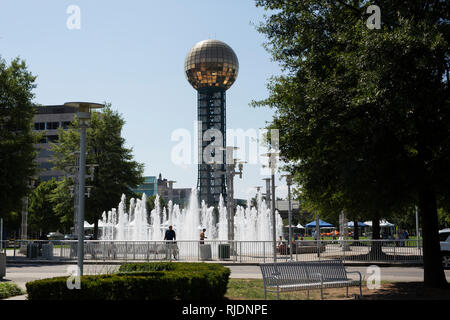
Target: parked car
point(55, 236)
point(70, 237)
point(75, 237)
point(444, 236)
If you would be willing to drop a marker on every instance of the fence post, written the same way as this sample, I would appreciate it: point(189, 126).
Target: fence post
point(264, 251)
point(240, 252)
point(343, 250)
point(395, 245)
point(134, 251)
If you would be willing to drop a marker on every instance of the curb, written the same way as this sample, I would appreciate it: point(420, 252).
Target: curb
point(224, 263)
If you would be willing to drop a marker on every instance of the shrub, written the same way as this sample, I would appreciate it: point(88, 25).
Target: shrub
point(140, 281)
point(9, 289)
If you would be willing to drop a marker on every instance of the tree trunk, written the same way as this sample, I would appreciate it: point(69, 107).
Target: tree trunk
point(434, 275)
point(355, 230)
point(376, 251)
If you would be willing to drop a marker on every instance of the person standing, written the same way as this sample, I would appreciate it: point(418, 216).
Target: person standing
point(171, 236)
point(316, 235)
point(202, 236)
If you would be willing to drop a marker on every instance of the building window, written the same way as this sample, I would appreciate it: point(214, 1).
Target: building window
point(39, 126)
point(52, 125)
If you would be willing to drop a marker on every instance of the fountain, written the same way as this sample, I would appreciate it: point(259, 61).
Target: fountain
point(251, 223)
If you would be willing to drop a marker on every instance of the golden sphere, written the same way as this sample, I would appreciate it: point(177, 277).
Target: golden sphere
point(211, 64)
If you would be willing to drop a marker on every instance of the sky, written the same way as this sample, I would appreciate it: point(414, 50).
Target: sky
point(131, 54)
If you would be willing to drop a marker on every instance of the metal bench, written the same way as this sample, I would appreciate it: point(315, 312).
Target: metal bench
point(308, 275)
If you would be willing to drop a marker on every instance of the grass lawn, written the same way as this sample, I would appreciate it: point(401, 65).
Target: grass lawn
point(9, 289)
point(253, 289)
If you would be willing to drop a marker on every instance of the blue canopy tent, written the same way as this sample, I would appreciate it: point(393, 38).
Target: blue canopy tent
point(322, 224)
point(351, 224)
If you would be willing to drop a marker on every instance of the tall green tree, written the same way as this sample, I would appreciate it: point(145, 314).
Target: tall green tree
point(42, 217)
point(116, 172)
point(63, 203)
point(363, 113)
point(17, 140)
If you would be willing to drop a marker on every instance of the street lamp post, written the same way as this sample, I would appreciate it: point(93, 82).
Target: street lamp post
point(272, 164)
point(24, 222)
point(83, 115)
point(289, 183)
point(267, 180)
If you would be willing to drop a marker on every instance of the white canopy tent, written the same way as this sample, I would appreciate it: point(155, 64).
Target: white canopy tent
point(91, 226)
point(383, 224)
point(292, 226)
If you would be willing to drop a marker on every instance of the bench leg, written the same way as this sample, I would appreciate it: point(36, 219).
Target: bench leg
point(347, 292)
point(321, 293)
point(308, 294)
point(360, 290)
point(278, 294)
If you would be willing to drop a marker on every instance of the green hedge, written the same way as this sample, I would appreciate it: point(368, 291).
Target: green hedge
point(140, 281)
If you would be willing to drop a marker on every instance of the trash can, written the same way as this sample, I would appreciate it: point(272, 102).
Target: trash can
point(32, 250)
point(47, 251)
point(224, 251)
point(2, 265)
point(205, 252)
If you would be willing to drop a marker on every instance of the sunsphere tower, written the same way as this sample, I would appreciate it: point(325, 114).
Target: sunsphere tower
point(211, 67)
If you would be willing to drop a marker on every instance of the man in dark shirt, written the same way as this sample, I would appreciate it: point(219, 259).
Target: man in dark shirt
point(171, 247)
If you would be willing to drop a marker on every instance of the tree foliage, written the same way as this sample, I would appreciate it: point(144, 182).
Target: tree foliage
point(364, 114)
point(17, 140)
point(151, 203)
point(41, 216)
